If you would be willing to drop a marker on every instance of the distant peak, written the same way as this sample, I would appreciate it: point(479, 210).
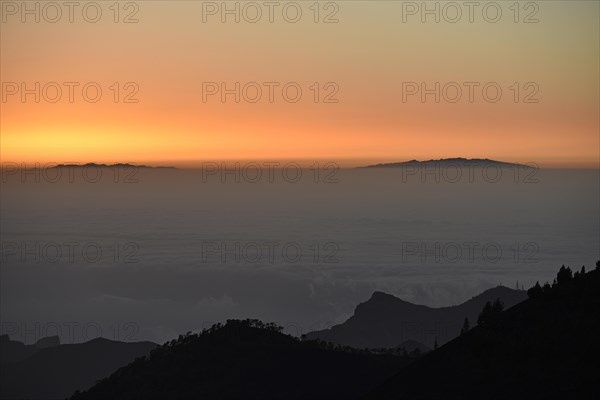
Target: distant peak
point(499, 292)
point(101, 339)
point(501, 288)
point(381, 299)
point(49, 341)
point(378, 295)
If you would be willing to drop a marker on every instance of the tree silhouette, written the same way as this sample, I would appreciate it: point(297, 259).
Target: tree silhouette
point(547, 288)
point(484, 315)
point(490, 312)
point(564, 275)
point(535, 291)
point(465, 328)
point(498, 306)
point(415, 353)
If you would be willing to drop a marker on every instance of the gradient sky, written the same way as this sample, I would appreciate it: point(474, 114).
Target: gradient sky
point(368, 54)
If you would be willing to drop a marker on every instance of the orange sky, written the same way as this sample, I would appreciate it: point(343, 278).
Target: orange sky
point(368, 55)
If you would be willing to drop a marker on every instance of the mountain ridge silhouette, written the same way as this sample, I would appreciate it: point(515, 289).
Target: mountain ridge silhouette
point(247, 360)
point(384, 320)
point(54, 372)
point(545, 347)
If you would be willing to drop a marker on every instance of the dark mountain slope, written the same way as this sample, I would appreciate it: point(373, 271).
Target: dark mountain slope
point(385, 321)
point(246, 360)
point(547, 347)
point(56, 372)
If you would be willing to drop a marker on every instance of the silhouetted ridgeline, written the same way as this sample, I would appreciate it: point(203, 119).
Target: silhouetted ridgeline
point(13, 350)
point(49, 370)
point(247, 360)
point(386, 321)
point(450, 162)
point(119, 165)
point(547, 347)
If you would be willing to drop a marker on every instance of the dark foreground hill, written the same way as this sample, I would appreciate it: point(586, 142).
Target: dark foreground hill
point(384, 321)
point(56, 371)
point(247, 360)
point(547, 347)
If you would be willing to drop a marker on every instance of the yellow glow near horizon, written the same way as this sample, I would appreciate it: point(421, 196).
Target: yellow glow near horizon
point(368, 55)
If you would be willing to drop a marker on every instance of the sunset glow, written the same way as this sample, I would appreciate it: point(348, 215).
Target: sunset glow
point(366, 58)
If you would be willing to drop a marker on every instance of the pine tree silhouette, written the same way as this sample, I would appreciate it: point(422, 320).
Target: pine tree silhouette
point(490, 312)
point(465, 328)
point(564, 275)
point(535, 291)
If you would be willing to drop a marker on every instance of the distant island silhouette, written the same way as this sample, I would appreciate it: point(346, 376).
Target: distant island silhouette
point(459, 161)
point(118, 165)
point(442, 162)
